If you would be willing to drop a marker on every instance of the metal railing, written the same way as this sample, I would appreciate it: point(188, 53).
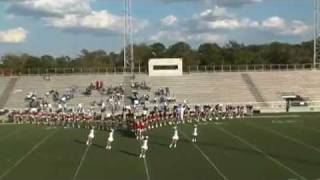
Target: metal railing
point(144, 69)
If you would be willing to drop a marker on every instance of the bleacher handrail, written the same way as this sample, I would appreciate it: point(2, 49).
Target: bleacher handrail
point(144, 69)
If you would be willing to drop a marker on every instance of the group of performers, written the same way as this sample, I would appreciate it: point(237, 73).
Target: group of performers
point(142, 139)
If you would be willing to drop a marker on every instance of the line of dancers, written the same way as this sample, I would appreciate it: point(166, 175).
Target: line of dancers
point(143, 139)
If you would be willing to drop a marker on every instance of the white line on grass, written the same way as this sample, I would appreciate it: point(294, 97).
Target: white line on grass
point(146, 168)
point(206, 157)
point(287, 137)
point(273, 116)
point(261, 152)
point(35, 147)
point(81, 162)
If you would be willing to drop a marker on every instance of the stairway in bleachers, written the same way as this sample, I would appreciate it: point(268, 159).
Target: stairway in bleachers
point(253, 88)
point(6, 93)
point(127, 80)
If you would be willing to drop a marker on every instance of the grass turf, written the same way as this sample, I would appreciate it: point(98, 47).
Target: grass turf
point(276, 147)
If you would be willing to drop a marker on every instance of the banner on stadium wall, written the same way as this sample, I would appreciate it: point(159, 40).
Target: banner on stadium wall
point(165, 67)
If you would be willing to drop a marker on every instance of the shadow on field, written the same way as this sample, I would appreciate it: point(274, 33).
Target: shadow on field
point(84, 143)
point(129, 153)
point(281, 157)
point(160, 143)
point(80, 142)
point(98, 146)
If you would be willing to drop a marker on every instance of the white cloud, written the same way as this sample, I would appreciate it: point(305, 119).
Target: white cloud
point(48, 8)
point(297, 28)
point(97, 20)
point(207, 38)
point(219, 19)
point(274, 22)
point(73, 16)
point(194, 38)
point(13, 36)
point(225, 3)
point(220, 25)
point(278, 25)
point(168, 35)
point(169, 20)
point(214, 13)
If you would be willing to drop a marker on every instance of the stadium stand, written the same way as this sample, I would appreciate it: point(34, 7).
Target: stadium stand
point(6, 86)
point(272, 84)
point(203, 88)
point(198, 88)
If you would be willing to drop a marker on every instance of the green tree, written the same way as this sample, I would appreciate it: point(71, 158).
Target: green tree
point(210, 54)
point(158, 50)
point(184, 51)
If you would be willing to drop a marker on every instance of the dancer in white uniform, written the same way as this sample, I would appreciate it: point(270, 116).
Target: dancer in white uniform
point(110, 139)
point(175, 138)
point(144, 147)
point(195, 133)
point(90, 137)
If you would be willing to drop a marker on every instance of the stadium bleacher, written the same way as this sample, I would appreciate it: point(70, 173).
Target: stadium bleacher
point(198, 88)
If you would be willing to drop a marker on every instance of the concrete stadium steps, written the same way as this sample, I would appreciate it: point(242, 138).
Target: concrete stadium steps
point(6, 89)
point(3, 83)
point(36, 84)
point(198, 88)
point(203, 88)
point(253, 88)
point(272, 84)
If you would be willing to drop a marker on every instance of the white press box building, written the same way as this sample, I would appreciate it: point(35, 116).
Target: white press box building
point(165, 67)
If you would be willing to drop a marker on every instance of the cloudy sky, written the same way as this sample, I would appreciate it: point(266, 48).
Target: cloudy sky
point(64, 27)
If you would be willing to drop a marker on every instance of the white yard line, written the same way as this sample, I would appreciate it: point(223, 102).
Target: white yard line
point(35, 147)
point(146, 168)
point(206, 157)
point(81, 162)
point(262, 152)
point(286, 137)
point(273, 116)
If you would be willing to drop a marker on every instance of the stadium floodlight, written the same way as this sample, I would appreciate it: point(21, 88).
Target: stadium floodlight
point(316, 50)
point(128, 56)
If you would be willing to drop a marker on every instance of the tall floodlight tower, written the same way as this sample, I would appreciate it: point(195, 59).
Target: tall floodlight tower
point(316, 48)
point(128, 56)
point(128, 60)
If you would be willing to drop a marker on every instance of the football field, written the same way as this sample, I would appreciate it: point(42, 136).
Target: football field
point(264, 147)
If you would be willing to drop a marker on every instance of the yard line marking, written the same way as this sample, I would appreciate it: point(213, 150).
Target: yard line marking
point(206, 157)
point(286, 137)
point(261, 152)
point(146, 168)
point(273, 116)
point(35, 147)
point(81, 162)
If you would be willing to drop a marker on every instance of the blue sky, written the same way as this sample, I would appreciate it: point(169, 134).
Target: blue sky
point(64, 27)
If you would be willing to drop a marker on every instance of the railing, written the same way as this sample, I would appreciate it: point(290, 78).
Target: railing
point(144, 69)
point(276, 106)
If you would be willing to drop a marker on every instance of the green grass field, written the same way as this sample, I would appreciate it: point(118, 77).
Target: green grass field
point(266, 147)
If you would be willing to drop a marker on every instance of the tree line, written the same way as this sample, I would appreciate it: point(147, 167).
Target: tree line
point(232, 53)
